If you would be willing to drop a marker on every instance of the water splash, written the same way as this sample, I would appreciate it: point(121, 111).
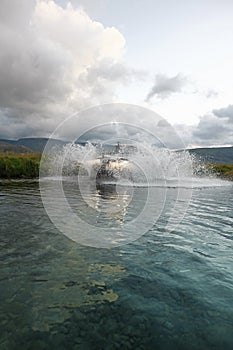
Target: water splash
point(138, 165)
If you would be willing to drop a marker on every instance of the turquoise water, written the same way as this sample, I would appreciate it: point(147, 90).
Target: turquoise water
point(166, 290)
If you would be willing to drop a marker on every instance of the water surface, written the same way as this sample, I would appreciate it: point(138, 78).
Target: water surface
point(166, 290)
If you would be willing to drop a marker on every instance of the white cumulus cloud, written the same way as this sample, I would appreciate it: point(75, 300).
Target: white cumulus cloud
point(51, 64)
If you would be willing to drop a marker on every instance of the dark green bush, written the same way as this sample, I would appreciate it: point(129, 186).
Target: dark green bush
point(19, 165)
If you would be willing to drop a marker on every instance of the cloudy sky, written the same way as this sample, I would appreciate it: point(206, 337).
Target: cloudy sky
point(173, 57)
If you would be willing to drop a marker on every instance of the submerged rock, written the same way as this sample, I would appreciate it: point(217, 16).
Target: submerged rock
point(55, 299)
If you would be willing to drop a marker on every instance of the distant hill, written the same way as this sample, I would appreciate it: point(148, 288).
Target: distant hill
point(217, 155)
point(33, 143)
point(9, 148)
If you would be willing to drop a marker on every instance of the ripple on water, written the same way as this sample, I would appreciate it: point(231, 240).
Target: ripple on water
point(167, 290)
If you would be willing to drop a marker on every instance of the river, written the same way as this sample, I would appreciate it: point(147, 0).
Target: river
point(168, 289)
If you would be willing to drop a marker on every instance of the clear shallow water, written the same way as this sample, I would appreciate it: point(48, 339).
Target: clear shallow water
point(164, 291)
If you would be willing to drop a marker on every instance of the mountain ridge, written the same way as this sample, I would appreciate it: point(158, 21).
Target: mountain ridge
point(213, 155)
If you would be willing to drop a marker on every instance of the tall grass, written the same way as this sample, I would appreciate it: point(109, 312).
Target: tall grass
point(23, 165)
point(222, 170)
point(26, 165)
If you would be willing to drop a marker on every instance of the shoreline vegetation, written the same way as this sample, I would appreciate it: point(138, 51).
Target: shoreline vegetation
point(27, 165)
point(224, 171)
point(19, 165)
